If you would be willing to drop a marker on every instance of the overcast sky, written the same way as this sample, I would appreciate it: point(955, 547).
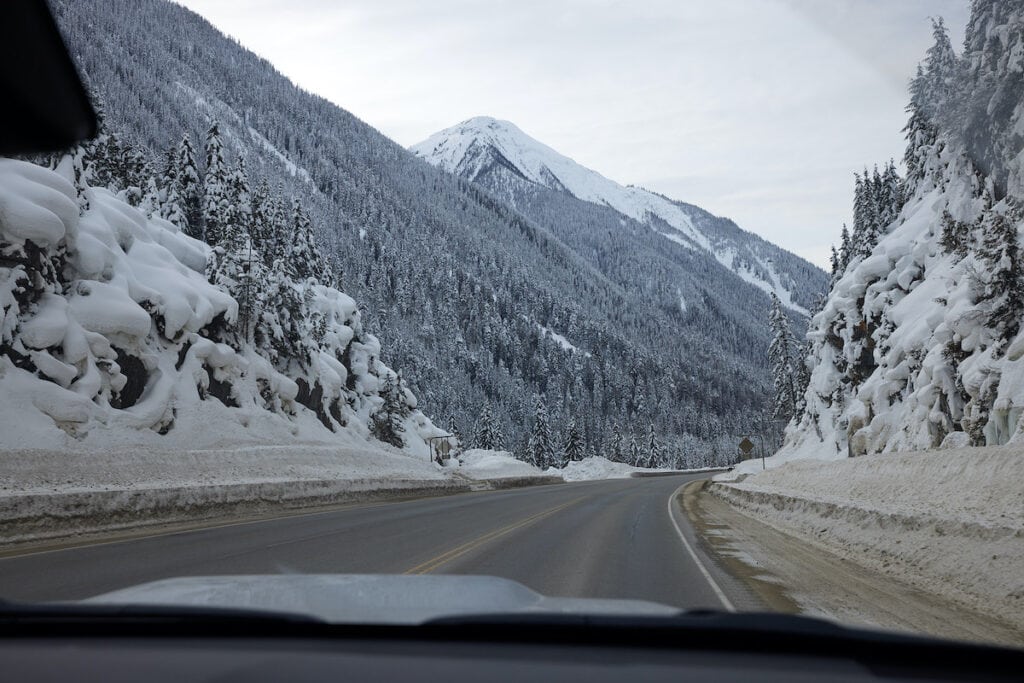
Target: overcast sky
point(759, 110)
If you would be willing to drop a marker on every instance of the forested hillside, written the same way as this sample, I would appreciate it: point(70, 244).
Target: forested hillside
point(919, 344)
point(476, 304)
point(560, 194)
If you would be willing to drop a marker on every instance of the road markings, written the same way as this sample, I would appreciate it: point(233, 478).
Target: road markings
point(700, 565)
point(445, 557)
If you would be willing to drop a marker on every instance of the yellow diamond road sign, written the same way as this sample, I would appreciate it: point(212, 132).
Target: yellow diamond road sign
point(746, 445)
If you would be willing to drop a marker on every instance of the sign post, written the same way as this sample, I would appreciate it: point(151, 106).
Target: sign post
point(440, 447)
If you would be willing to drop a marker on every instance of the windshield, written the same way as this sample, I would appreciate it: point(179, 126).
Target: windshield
point(691, 305)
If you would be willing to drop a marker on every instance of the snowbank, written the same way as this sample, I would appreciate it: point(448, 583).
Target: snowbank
point(55, 494)
point(483, 464)
point(597, 467)
point(948, 522)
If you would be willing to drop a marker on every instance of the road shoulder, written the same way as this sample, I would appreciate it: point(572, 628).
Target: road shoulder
point(789, 574)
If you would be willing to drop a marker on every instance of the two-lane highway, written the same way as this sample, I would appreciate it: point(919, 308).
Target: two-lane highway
point(612, 539)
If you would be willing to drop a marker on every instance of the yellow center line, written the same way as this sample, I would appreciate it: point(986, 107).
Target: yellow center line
point(445, 557)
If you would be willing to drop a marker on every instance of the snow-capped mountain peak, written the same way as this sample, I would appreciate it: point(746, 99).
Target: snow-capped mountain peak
point(499, 156)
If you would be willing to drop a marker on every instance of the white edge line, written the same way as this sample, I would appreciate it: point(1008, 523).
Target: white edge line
point(700, 565)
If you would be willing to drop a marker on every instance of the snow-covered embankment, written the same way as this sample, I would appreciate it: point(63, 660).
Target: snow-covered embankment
point(950, 523)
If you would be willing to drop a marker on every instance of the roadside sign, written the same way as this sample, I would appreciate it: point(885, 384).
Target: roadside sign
point(746, 446)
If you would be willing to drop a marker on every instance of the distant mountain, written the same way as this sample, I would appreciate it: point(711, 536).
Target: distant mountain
point(476, 300)
point(500, 157)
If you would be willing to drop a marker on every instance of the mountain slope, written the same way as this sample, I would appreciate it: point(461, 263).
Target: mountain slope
point(112, 336)
point(919, 344)
point(499, 156)
point(474, 302)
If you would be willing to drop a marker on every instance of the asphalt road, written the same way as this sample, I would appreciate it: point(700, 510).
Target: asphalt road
point(613, 539)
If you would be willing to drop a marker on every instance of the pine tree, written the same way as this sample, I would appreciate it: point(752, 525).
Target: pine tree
point(540, 447)
point(388, 420)
point(172, 202)
point(654, 455)
point(190, 186)
point(833, 266)
point(488, 435)
point(780, 361)
point(261, 224)
point(217, 210)
point(615, 453)
point(573, 450)
point(1004, 282)
point(845, 249)
point(240, 214)
point(636, 454)
point(932, 98)
point(309, 262)
point(453, 429)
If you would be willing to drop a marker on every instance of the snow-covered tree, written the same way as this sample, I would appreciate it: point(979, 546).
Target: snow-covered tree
point(1003, 289)
point(573, 449)
point(304, 252)
point(636, 452)
point(615, 452)
point(217, 209)
point(388, 421)
point(190, 186)
point(654, 451)
point(780, 361)
point(488, 434)
point(541, 447)
point(171, 204)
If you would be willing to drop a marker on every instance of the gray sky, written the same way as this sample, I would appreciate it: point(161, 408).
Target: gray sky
point(759, 110)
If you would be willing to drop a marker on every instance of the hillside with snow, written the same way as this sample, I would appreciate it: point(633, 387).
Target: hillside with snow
point(500, 157)
point(919, 344)
point(113, 335)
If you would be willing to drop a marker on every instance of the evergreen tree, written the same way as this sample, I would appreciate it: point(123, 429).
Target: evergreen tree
point(573, 450)
point(172, 206)
point(932, 96)
point(217, 209)
point(453, 429)
point(780, 360)
point(240, 214)
point(636, 454)
point(654, 454)
point(541, 448)
point(1004, 282)
point(615, 453)
point(261, 225)
point(309, 262)
point(190, 186)
point(488, 435)
point(845, 249)
point(388, 420)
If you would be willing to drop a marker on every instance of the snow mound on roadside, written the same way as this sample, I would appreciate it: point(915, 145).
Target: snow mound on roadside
point(478, 463)
point(596, 467)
